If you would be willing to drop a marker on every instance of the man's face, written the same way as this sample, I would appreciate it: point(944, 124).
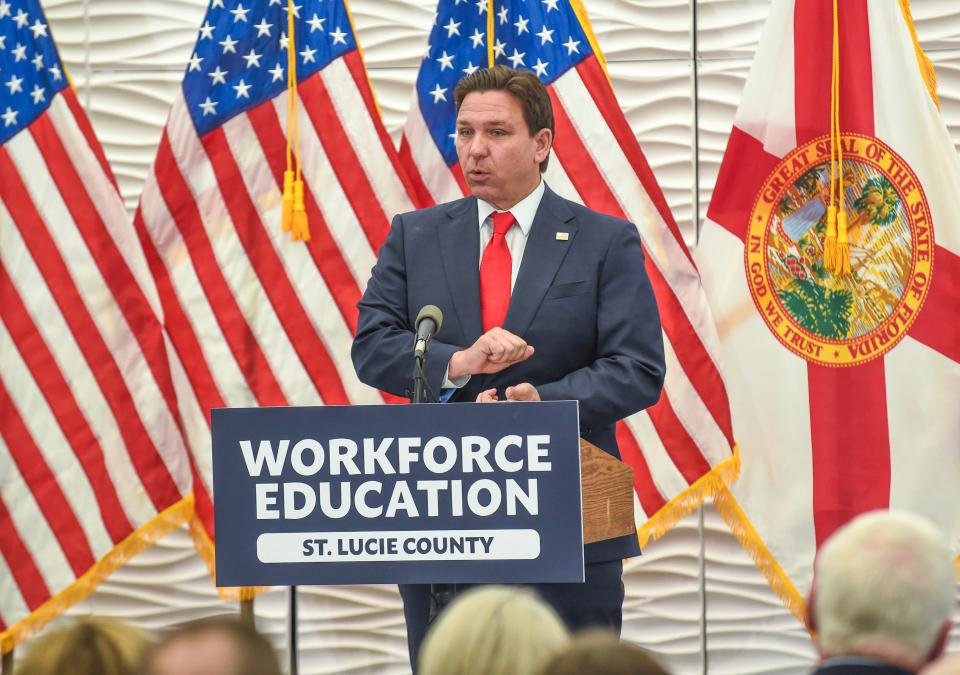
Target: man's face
point(498, 156)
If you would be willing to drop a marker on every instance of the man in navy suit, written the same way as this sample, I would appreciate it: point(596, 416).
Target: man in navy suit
point(882, 596)
point(542, 299)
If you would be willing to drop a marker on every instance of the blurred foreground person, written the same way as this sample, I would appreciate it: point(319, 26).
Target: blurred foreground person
point(91, 646)
point(945, 665)
point(882, 595)
point(602, 652)
point(493, 630)
point(214, 646)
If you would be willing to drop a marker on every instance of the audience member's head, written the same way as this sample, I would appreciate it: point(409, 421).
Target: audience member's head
point(602, 652)
point(90, 646)
point(883, 588)
point(493, 630)
point(214, 646)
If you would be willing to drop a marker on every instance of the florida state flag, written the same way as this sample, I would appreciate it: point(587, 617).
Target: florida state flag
point(830, 258)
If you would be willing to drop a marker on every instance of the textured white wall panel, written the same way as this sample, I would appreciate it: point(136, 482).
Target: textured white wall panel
point(125, 34)
point(719, 84)
point(352, 629)
point(394, 91)
point(658, 104)
point(938, 23)
point(728, 29)
point(642, 30)
point(128, 110)
point(663, 608)
point(748, 631)
point(126, 58)
point(393, 34)
point(947, 64)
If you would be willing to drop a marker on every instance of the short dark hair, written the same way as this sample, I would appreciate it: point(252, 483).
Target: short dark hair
point(523, 85)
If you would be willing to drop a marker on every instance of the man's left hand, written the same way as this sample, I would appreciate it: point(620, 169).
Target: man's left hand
point(522, 392)
point(488, 396)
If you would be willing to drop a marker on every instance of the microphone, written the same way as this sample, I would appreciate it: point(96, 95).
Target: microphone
point(428, 323)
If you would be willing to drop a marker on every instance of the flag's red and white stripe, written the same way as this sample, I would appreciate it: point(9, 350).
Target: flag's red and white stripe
point(598, 162)
point(255, 318)
point(436, 183)
point(91, 449)
point(688, 433)
point(820, 445)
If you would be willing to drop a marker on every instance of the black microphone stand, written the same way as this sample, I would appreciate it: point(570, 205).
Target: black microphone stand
point(419, 380)
point(441, 595)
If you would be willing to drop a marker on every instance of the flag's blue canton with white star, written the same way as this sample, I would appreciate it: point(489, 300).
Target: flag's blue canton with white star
point(544, 36)
point(457, 47)
point(30, 69)
point(240, 59)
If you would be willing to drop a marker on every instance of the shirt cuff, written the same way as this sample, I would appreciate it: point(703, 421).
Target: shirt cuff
point(453, 384)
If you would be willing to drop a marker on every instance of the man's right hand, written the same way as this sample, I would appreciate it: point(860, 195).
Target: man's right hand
point(493, 351)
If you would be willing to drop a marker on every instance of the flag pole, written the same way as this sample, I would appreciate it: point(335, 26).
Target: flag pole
point(8, 663)
point(246, 612)
point(292, 629)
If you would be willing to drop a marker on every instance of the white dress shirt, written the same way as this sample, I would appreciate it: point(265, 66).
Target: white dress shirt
point(523, 212)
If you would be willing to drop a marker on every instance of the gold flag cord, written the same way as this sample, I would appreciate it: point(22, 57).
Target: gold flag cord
point(830, 242)
point(490, 35)
point(836, 246)
point(842, 262)
point(294, 215)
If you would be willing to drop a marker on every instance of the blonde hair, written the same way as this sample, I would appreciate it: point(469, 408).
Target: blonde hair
point(91, 646)
point(493, 630)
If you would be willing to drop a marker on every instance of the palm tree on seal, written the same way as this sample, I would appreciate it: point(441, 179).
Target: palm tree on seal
point(819, 310)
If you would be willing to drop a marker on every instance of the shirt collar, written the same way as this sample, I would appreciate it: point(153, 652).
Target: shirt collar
point(841, 661)
point(524, 211)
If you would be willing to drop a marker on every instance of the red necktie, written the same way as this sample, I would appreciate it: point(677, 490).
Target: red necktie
point(495, 270)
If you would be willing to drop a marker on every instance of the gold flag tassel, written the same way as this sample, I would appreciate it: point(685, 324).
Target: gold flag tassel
point(830, 240)
point(836, 255)
point(842, 264)
point(294, 214)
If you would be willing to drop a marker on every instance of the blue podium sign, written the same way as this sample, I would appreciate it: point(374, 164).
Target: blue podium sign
point(434, 493)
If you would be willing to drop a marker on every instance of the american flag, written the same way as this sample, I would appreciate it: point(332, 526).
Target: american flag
point(255, 318)
point(92, 460)
point(682, 448)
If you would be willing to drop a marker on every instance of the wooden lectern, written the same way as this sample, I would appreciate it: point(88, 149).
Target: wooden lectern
point(607, 487)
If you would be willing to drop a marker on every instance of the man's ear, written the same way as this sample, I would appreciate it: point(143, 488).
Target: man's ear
point(810, 618)
point(941, 643)
point(543, 140)
point(810, 614)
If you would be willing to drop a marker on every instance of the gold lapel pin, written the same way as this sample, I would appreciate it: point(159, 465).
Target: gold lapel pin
point(563, 236)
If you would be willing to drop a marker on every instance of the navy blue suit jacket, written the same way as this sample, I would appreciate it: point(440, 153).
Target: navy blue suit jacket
point(584, 302)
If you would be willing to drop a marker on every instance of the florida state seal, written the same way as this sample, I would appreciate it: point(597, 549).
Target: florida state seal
point(825, 318)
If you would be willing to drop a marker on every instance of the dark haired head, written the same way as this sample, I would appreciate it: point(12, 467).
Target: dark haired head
point(523, 85)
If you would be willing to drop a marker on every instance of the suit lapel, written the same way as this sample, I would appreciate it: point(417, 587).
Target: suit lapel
point(460, 248)
point(541, 259)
